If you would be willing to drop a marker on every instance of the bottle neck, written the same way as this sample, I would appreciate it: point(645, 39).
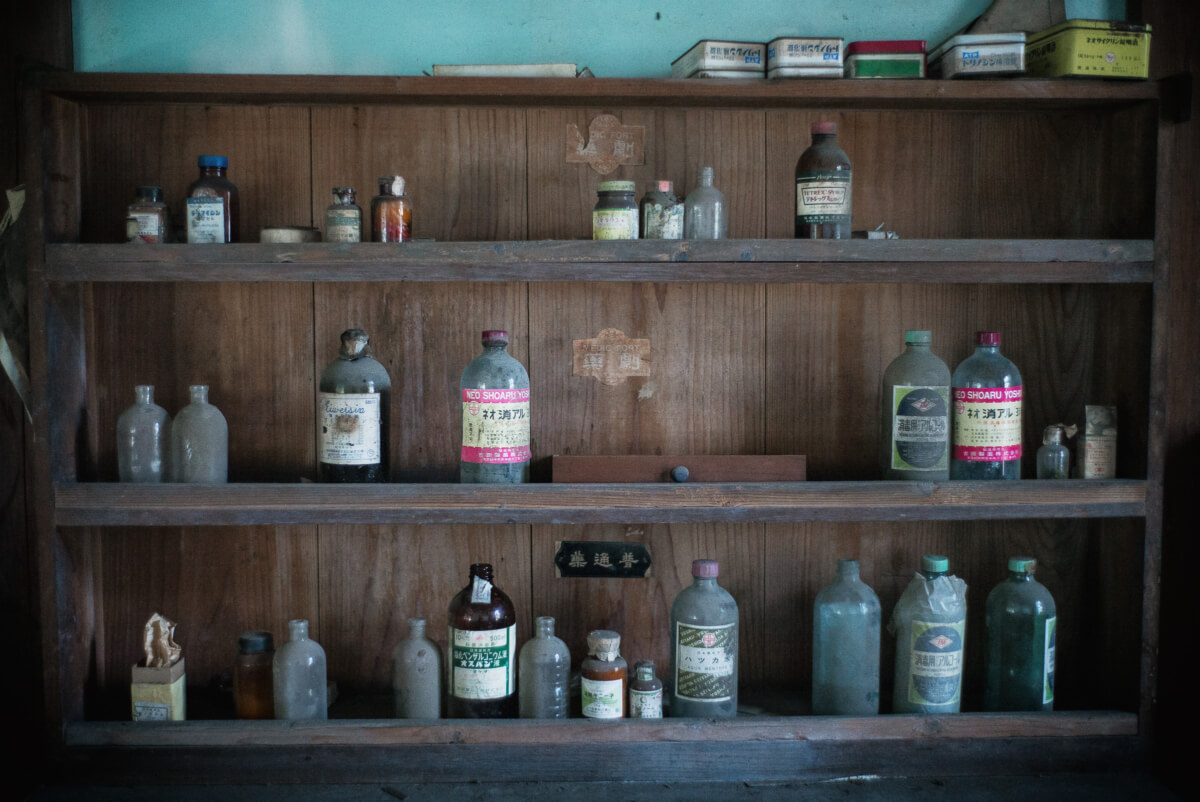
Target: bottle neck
point(917, 346)
point(987, 349)
point(481, 570)
point(416, 627)
point(931, 575)
point(144, 393)
point(645, 673)
point(298, 629)
point(199, 393)
point(820, 139)
point(210, 172)
point(545, 627)
point(847, 569)
point(705, 582)
point(1020, 576)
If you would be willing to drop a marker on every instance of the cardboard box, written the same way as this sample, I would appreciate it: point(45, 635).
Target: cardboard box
point(1091, 48)
point(157, 694)
point(716, 56)
point(1096, 453)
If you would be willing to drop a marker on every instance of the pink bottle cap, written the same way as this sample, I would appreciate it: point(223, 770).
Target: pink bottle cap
point(705, 569)
point(824, 127)
point(987, 338)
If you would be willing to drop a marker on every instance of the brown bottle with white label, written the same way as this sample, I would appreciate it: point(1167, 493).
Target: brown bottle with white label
point(481, 639)
point(823, 187)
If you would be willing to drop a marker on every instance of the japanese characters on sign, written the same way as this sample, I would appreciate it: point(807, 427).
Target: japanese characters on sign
point(604, 559)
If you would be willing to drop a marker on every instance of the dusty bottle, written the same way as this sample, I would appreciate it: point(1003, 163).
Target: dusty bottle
point(343, 217)
point(846, 623)
point(253, 685)
point(930, 625)
point(212, 203)
point(154, 224)
point(615, 215)
point(645, 692)
point(200, 441)
point(483, 651)
point(915, 435)
point(704, 647)
point(143, 439)
point(823, 187)
point(1020, 622)
point(495, 416)
point(353, 414)
point(705, 215)
point(986, 430)
point(391, 211)
point(661, 212)
point(417, 674)
point(299, 676)
point(604, 676)
point(544, 671)
point(1053, 458)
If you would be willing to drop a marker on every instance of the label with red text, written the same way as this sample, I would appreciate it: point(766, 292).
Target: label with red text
point(987, 423)
point(495, 426)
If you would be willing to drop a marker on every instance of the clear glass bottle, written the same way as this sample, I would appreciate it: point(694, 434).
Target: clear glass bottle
point(615, 215)
point(823, 187)
point(343, 217)
point(661, 213)
point(645, 692)
point(353, 414)
point(483, 651)
point(986, 421)
point(704, 647)
point(705, 215)
point(915, 434)
point(212, 203)
point(200, 441)
point(1021, 621)
point(846, 624)
point(417, 674)
point(298, 673)
point(604, 676)
point(143, 439)
point(1053, 458)
point(930, 625)
point(148, 208)
point(253, 683)
point(544, 673)
point(391, 211)
point(495, 416)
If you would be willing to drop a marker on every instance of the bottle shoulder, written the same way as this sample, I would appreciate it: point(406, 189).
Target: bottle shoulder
point(986, 370)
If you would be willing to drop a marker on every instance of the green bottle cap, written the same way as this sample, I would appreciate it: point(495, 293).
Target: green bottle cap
point(1022, 565)
point(918, 337)
point(935, 564)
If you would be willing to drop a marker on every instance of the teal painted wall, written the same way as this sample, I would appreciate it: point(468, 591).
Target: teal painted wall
point(616, 38)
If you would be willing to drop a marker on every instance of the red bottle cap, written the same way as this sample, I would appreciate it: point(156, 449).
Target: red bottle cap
point(987, 338)
point(705, 569)
point(824, 127)
point(494, 337)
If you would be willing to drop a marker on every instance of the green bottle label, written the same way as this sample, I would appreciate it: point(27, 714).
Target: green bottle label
point(705, 661)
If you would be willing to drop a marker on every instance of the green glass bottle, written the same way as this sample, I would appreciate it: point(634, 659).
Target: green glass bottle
point(1021, 622)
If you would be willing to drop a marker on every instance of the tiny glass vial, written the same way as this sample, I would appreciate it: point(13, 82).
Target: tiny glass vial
point(391, 211)
point(1053, 458)
point(645, 692)
point(253, 686)
point(343, 217)
point(704, 212)
point(661, 212)
point(151, 215)
point(212, 203)
point(615, 215)
point(605, 675)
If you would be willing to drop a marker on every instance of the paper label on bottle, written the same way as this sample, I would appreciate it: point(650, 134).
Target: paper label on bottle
point(920, 428)
point(495, 426)
point(936, 663)
point(481, 591)
point(151, 711)
point(343, 225)
point(663, 222)
point(987, 424)
point(823, 197)
point(1048, 662)
point(645, 704)
point(482, 662)
point(615, 224)
point(205, 220)
point(705, 662)
point(602, 698)
point(149, 226)
point(349, 428)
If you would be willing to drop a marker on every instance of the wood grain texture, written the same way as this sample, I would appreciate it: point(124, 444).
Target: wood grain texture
point(700, 467)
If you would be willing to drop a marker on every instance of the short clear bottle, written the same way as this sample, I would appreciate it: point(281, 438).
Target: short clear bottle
point(544, 673)
point(915, 419)
point(495, 416)
point(343, 217)
point(1021, 624)
point(298, 673)
point(846, 627)
point(417, 674)
point(661, 212)
point(705, 215)
point(930, 625)
point(704, 647)
point(645, 692)
point(200, 441)
point(604, 676)
point(1053, 458)
point(148, 208)
point(253, 681)
point(143, 439)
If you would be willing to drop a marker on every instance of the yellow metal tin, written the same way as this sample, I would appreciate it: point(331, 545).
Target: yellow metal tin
point(1092, 48)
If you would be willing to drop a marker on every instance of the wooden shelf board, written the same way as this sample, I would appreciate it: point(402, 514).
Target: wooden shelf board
point(771, 260)
point(114, 504)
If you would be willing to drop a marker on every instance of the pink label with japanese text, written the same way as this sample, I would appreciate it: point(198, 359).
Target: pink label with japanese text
point(495, 426)
point(987, 423)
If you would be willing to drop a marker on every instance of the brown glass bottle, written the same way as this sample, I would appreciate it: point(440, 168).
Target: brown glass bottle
point(605, 676)
point(391, 211)
point(482, 640)
point(212, 203)
point(823, 187)
point(253, 684)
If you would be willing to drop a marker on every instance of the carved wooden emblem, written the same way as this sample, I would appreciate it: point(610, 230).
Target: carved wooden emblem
point(610, 144)
point(611, 357)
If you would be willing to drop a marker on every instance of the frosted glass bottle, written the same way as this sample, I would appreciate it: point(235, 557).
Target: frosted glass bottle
point(986, 418)
point(298, 673)
point(1053, 458)
point(915, 432)
point(846, 623)
point(1021, 622)
point(417, 674)
point(495, 416)
point(705, 215)
point(200, 441)
point(354, 403)
point(930, 625)
point(543, 673)
point(704, 647)
point(143, 439)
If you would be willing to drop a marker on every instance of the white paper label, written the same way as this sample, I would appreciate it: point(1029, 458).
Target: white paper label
point(205, 220)
point(349, 428)
point(645, 704)
point(151, 711)
point(482, 664)
point(602, 698)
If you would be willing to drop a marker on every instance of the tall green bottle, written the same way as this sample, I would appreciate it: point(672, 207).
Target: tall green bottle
point(1020, 623)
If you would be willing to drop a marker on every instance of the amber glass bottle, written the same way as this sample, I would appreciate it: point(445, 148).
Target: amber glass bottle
point(482, 639)
point(823, 187)
point(391, 211)
point(605, 676)
point(212, 203)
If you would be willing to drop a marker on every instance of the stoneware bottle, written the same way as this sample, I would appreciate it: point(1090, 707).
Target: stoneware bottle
point(143, 439)
point(417, 674)
point(299, 676)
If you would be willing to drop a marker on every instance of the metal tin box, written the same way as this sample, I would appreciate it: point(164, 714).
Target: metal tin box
point(718, 58)
point(903, 58)
point(1088, 47)
point(797, 52)
point(979, 54)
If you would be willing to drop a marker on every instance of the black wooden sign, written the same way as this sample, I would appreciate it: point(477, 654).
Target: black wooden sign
point(607, 559)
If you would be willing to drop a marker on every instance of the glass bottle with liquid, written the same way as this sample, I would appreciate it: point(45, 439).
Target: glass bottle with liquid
point(391, 211)
point(604, 676)
point(495, 416)
point(353, 414)
point(212, 204)
point(544, 672)
point(1021, 622)
point(343, 217)
point(915, 434)
point(986, 420)
point(645, 692)
point(253, 683)
point(823, 187)
point(704, 647)
point(482, 640)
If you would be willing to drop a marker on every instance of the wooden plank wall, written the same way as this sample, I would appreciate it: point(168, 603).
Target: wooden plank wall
point(737, 369)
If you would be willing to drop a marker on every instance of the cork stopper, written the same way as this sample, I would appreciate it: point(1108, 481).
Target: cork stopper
point(604, 644)
point(354, 344)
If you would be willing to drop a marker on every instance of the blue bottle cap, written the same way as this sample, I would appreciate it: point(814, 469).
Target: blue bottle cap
point(212, 161)
point(920, 337)
point(935, 564)
point(1022, 565)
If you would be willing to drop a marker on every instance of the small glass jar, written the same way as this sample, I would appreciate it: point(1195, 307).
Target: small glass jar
point(661, 212)
point(212, 203)
point(615, 215)
point(391, 211)
point(604, 676)
point(1053, 458)
point(151, 215)
point(645, 692)
point(253, 686)
point(343, 217)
